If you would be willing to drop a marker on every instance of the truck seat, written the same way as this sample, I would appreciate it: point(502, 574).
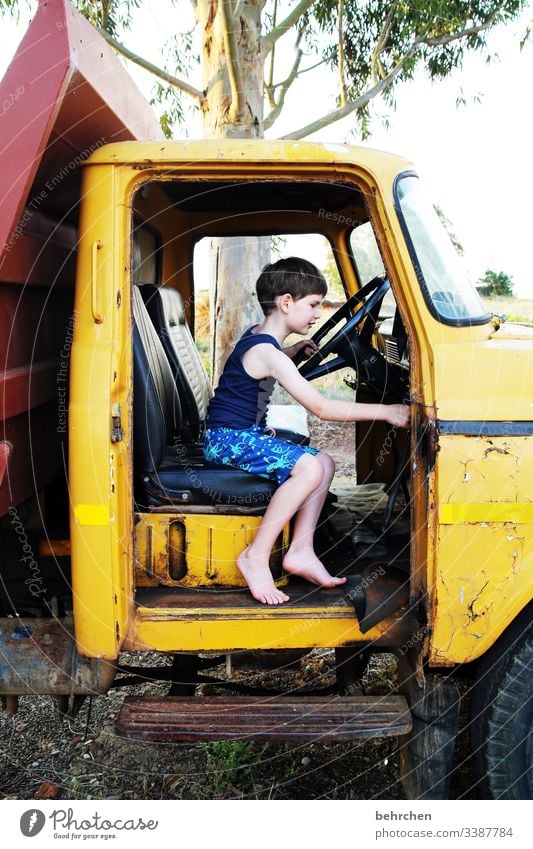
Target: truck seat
point(167, 313)
point(165, 471)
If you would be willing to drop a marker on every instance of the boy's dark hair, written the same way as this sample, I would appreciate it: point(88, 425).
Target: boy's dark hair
point(294, 275)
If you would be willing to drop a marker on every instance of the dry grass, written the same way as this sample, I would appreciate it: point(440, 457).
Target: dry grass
point(201, 315)
point(516, 309)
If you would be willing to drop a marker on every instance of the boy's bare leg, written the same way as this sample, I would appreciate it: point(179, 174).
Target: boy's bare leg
point(301, 559)
point(253, 563)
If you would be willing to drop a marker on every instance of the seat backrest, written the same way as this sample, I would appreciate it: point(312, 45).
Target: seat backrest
point(156, 408)
point(166, 310)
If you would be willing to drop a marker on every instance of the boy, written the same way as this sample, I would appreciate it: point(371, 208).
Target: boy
point(290, 292)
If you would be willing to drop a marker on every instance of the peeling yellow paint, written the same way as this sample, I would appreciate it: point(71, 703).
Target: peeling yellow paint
point(484, 545)
point(195, 550)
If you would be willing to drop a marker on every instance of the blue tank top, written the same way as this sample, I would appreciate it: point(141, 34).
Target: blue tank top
point(240, 401)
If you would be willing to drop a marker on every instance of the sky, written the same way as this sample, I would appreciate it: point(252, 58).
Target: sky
point(475, 159)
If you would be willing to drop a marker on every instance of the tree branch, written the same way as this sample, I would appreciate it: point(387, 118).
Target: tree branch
point(269, 87)
point(238, 98)
point(268, 42)
point(310, 68)
point(362, 100)
point(340, 47)
point(153, 69)
point(284, 86)
point(271, 98)
point(385, 82)
point(378, 71)
point(464, 33)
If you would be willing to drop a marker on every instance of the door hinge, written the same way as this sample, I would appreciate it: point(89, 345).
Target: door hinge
point(116, 423)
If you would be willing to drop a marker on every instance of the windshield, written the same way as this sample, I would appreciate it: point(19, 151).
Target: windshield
point(440, 269)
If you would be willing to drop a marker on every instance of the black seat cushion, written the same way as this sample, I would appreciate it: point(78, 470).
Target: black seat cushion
point(205, 484)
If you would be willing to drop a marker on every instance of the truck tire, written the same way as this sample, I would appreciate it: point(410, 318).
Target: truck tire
point(501, 714)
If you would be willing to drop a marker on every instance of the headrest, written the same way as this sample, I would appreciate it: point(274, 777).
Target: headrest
point(173, 306)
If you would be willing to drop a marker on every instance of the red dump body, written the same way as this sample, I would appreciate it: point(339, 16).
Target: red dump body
point(64, 94)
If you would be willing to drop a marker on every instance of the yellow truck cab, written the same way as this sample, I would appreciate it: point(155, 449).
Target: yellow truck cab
point(144, 535)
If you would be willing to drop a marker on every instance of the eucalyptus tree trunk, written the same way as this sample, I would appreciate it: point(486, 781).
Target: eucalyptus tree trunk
point(232, 109)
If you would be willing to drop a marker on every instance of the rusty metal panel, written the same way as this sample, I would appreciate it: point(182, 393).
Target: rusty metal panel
point(247, 718)
point(39, 656)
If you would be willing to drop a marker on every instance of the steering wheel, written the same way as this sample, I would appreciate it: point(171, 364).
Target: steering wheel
point(352, 344)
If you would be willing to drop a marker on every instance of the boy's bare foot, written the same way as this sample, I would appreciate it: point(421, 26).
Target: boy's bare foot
point(305, 564)
point(258, 576)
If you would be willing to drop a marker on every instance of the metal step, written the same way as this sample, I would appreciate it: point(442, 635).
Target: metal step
point(172, 719)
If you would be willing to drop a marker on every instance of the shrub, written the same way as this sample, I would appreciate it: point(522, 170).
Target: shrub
point(495, 283)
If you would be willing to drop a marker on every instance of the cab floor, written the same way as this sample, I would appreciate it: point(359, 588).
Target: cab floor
point(302, 595)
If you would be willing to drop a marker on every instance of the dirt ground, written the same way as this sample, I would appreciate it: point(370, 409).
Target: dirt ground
point(46, 756)
point(43, 755)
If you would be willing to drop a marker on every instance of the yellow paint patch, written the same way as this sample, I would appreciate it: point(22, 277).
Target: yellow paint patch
point(516, 511)
point(91, 514)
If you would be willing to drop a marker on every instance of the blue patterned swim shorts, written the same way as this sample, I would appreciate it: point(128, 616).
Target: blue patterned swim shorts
point(253, 450)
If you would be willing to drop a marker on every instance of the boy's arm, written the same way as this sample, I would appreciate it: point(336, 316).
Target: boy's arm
point(272, 362)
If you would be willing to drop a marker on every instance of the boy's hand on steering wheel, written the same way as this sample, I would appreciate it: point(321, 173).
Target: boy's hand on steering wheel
point(305, 347)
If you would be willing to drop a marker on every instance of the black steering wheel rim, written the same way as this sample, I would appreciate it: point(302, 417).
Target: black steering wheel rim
point(364, 301)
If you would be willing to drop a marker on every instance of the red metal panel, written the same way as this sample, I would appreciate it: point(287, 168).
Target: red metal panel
point(35, 324)
point(36, 327)
point(45, 254)
point(5, 451)
point(24, 388)
point(64, 83)
point(66, 94)
point(38, 455)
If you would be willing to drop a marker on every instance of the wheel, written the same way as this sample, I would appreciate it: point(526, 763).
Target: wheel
point(501, 713)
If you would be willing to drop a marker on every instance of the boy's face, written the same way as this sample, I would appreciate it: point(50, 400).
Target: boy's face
point(303, 313)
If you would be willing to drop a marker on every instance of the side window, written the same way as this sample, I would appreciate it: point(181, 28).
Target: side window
point(313, 246)
point(366, 253)
point(369, 264)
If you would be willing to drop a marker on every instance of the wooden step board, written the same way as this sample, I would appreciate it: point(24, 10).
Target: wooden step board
point(197, 718)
